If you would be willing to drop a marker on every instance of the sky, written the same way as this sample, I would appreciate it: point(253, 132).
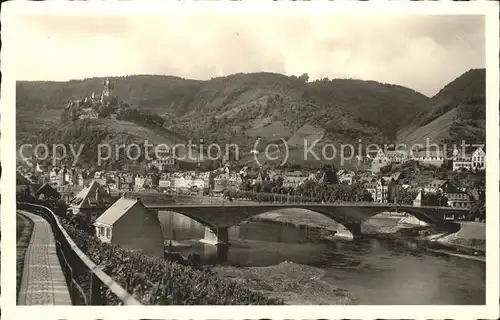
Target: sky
point(422, 52)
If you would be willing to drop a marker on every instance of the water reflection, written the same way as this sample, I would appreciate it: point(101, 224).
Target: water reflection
point(378, 272)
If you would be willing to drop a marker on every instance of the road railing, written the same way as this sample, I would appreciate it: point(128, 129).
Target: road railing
point(86, 281)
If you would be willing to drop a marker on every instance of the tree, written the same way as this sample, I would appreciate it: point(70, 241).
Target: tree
point(245, 185)
point(267, 186)
point(386, 169)
point(155, 180)
point(257, 187)
point(279, 181)
point(406, 197)
point(478, 210)
point(304, 77)
point(154, 170)
point(276, 189)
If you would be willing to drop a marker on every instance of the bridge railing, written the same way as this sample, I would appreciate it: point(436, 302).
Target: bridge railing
point(267, 197)
point(86, 281)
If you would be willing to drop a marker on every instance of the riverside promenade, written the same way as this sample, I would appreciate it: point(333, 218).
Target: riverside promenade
point(43, 281)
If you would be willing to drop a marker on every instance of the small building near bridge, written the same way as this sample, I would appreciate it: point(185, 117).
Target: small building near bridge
point(128, 223)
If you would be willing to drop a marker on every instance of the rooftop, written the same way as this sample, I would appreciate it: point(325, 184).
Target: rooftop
point(117, 210)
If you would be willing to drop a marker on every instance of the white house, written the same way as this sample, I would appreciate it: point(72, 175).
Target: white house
point(417, 202)
point(293, 181)
point(131, 225)
point(474, 161)
point(479, 159)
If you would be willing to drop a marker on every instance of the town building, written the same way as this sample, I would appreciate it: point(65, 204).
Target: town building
point(459, 199)
point(164, 163)
point(472, 162)
point(55, 178)
point(163, 158)
point(293, 182)
point(73, 178)
point(68, 192)
point(371, 187)
point(462, 162)
point(436, 186)
point(47, 192)
point(346, 176)
point(428, 157)
point(100, 177)
point(198, 182)
point(456, 197)
point(417, 202)
point(227, 181)
point(206, 180)
point(379, 161)
point(91, 202)
point(382, 194)
point(260, 178)
point(397, 156)
point(221, 182)
point(164, 182)
point(479, 159)
point(382, 190)
point(179, 183)
point(88, 113)
point(125, 182)
point(21, 179)
point(129, 224)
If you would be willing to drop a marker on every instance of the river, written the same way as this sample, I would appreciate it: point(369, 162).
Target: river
point(376, 272)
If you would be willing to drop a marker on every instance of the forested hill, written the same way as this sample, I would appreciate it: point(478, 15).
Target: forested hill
point(455, 113)
point(241, 106)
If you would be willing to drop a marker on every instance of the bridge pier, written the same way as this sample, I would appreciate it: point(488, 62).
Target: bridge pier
point(355, 229)
point(220, 236)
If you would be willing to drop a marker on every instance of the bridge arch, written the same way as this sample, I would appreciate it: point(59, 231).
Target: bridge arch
point(222, 230)
point(219, 218)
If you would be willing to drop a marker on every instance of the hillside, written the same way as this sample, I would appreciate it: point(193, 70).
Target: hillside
point(91, 133)
point(457, 112)
point(240, 108)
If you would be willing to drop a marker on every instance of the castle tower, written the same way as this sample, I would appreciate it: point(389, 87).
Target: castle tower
point(107, 92)
point(108, 88)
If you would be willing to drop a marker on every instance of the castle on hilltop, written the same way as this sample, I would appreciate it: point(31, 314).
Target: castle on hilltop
point(107, 93)
point(88, 107)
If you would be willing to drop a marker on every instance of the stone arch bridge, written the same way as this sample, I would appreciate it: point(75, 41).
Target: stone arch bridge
point(219, 217)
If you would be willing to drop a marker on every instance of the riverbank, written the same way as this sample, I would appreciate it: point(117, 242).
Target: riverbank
point(296, 284)
point(471, 234)
point(468, 242)
point(300, 218)
point(384, 223)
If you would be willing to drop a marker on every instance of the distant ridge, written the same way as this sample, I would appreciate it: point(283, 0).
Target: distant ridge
point(239, 109)
point(457, 112)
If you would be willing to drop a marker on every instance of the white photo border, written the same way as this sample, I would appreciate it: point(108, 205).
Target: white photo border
point(12, 9)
